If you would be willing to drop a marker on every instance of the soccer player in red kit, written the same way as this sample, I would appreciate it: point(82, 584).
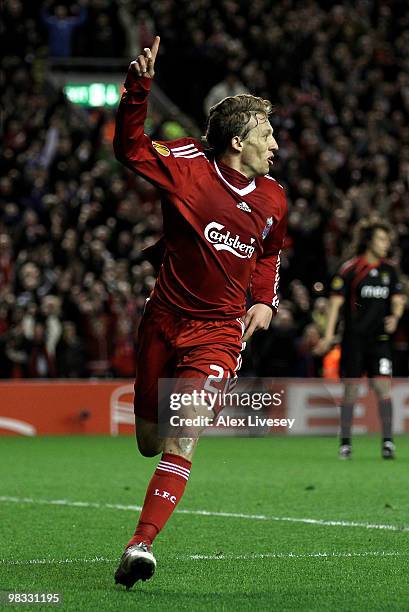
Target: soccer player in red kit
point(224, 223)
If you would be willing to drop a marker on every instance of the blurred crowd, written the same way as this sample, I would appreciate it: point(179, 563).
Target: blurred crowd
point(73, 222)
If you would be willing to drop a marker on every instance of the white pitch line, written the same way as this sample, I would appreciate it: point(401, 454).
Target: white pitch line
point(253, 517)
point(221, 557)
point(52, 561)
point(325, 555)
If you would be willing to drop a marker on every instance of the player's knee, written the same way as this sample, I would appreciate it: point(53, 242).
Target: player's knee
point(351, 393)
point(382, 389)
point(181, 446)
point(382, 395)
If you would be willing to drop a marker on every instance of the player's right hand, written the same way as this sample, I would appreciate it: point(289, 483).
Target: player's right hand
point(144, 65)
point(391, 323)
point(323, 347)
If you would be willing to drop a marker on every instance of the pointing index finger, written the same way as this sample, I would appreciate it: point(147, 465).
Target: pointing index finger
point(155, 47)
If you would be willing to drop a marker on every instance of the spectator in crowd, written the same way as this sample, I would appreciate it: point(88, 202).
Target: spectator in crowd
point(319, 314)
point(31, 285)
point(301, 301)
point(20, 33)
point(123, 358)
point(331, 363)
point(6, 261)
point(274, 353)
point(51, 314)
point(61, 26)
point(40, 362)
point(69, 353)
point(308, 364)
point(230, 86)
point(14, 351)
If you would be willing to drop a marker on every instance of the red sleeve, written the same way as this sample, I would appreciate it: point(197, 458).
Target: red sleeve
point(266, 275)
point(153, 161)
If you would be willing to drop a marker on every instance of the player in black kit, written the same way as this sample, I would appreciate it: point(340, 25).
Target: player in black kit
point(368, 288)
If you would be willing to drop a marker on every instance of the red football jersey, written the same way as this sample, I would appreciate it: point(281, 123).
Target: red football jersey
point(219, 239)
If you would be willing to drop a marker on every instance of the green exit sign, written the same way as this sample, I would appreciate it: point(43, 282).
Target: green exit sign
point(93, 94)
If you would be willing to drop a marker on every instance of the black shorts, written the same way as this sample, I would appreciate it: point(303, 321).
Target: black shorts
point(364, 355)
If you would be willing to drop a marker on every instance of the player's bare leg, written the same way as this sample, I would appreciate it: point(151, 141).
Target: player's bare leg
point(347, 412)
point(163, 494)
point(382, 389)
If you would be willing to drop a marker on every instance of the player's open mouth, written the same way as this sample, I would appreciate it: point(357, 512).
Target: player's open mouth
point(270, 160)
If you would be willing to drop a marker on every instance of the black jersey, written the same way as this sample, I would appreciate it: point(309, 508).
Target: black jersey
point(367, 289)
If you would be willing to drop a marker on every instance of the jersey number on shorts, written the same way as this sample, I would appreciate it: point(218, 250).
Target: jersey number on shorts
point(218, 378)
point(385, 367)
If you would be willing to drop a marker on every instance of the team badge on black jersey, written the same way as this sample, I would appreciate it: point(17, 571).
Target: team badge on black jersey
point(337, 283)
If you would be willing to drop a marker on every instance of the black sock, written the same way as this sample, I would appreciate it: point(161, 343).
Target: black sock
point(385, 414)
point(346, 441)
point(347, 411)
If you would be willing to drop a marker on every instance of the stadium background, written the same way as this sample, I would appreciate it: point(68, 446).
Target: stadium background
point(73, 222)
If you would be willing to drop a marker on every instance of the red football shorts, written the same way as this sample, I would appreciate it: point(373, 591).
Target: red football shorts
point(175, 347)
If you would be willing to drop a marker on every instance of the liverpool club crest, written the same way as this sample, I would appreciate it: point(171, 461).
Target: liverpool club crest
point(269, 223)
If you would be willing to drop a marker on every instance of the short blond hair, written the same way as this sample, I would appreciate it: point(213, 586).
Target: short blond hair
point(231, 117)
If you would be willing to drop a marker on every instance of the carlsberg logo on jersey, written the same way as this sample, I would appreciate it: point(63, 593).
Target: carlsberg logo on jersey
point(224, 241)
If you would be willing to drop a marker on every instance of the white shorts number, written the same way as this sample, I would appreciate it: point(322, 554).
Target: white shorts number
point(218, 378)
point(385, 367)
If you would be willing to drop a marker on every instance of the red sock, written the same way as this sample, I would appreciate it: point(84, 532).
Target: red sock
point(162, 496)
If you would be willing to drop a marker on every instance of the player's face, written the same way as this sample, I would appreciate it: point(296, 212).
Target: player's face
point(380, 243)
point(258, 149)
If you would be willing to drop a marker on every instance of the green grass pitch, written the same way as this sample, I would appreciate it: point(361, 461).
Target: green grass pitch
point(346, 558)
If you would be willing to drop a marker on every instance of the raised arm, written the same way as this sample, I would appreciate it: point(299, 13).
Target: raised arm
point(153, 161)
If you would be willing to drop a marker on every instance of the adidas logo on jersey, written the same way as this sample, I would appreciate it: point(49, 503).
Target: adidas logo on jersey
point(244, 206)
point(226, 242)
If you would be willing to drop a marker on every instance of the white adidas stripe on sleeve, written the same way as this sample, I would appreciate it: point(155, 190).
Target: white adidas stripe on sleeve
point(183, 153)
point(191, 155)
point(189, 151)
point(188, 146)
point(276, 301)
